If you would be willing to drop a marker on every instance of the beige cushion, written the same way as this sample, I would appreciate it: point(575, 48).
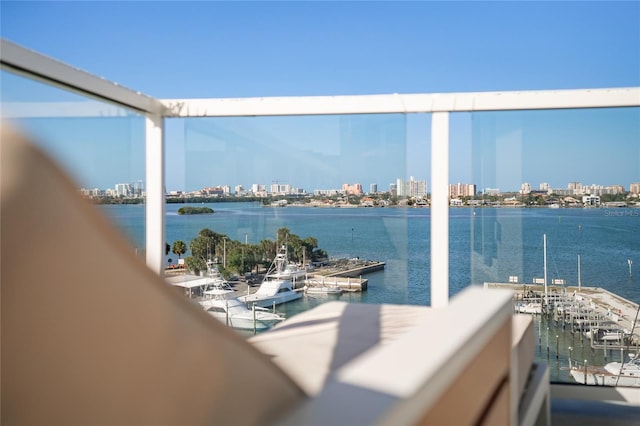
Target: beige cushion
point(332, 334)
point(92, 336)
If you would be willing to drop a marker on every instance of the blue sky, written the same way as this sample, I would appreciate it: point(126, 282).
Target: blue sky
point(240, 49)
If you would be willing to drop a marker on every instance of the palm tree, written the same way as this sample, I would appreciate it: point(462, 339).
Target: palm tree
point(179, 247)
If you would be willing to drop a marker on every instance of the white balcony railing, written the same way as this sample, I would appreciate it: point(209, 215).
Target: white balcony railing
point(34, 65)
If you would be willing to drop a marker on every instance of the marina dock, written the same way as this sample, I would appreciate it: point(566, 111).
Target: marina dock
point(583, 309)
point(347, 284)
point(352, 268)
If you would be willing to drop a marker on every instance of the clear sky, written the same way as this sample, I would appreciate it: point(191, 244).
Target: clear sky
point(248, 49)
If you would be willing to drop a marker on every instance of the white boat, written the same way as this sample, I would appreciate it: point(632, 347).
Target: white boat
point(215, 295)
point(277, 286)
point(225, 306)
point(612, 374)
point(534, 308)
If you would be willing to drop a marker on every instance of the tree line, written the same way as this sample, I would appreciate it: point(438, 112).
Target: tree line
point(234, 256)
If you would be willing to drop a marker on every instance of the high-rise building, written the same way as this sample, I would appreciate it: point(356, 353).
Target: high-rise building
point(373, 188)
point(525, 188)
point(355, 189)
point(411, 188)
point(462, 190)
point(277, 188)
point(634, 188)
point(576, 187)
point(256, 188)
point(123, 190)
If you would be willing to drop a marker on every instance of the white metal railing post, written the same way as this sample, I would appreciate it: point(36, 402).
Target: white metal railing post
point(155, 243)
point(439, 209)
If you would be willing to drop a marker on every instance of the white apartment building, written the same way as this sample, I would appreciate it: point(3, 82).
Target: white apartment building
point(591, 200)
point(525, 188)
point(280, 189)
point(576, 188)
point(256, 188)
point(123, 190)
point(411, 188)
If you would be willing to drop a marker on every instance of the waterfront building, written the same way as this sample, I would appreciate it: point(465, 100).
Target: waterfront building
point(411, 188)
point(216, 191)
point(613, 189)
point(297, 191)
point(373, 188)
point(326, 192)
point(575, 188)
point(525, 188)
point(355, 189)
point(91, 193)
point(123, 190)
point(634, 188)
point(544, 186)
point(492, 191)
point(462, 190)
point(256, 188)
point(277, 188)
point(591, 200)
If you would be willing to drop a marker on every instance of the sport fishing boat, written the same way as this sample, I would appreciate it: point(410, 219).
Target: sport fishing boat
point(277, 286)
point(214, 294)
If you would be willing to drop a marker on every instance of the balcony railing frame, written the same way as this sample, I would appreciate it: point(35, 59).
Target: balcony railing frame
point(34, 65)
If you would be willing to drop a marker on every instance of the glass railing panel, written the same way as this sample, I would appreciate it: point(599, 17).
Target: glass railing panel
point(331, 181)
point(100, 146)
point(558, 197)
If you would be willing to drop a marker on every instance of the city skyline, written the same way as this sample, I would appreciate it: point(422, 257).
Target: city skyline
point(372, 47)
point(137, 188)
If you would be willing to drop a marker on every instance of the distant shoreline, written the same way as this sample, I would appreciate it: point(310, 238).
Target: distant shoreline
point(317, 204)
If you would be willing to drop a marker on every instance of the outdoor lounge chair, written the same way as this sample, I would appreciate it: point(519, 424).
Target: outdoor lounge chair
point(91, 336)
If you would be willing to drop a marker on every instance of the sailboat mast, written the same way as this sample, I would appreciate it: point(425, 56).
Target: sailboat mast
point(546, 296)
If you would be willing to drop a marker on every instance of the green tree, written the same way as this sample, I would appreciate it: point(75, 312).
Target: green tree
point(283, 236)
point(268, 251)
point(208, 244)
point(195, 264)
point(179, 248)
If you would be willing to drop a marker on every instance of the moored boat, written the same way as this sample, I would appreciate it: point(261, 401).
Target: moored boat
point(225, 306)
point(612, 374)
point(278, 284)
point(214, 294)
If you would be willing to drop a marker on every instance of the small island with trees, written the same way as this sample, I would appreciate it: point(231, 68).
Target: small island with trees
point(194, 210)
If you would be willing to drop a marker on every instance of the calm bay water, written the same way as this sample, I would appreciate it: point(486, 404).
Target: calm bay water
point(486, 245)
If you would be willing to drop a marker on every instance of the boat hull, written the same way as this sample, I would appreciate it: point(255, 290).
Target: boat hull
point(269, 301)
